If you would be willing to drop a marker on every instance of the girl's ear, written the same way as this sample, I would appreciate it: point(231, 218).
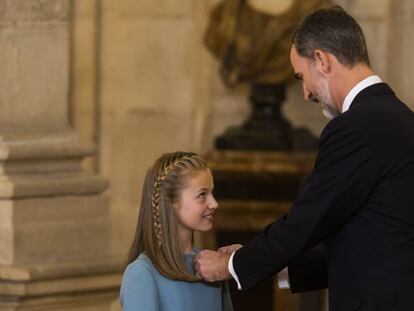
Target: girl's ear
point(176, 205)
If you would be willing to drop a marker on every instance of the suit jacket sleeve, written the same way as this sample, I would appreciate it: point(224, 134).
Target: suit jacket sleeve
point(345, 172)
point(309, 271)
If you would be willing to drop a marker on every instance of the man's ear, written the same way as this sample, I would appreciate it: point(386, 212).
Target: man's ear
point(322, 61)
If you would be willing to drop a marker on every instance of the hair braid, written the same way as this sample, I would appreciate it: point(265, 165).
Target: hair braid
point(155, 199)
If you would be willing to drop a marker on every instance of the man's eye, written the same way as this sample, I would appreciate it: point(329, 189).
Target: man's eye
point(298, 77)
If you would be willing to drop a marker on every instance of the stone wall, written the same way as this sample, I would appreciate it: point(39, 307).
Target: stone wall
point(26, 28)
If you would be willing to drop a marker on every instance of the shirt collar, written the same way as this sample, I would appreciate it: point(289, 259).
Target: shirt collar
point(358, 88)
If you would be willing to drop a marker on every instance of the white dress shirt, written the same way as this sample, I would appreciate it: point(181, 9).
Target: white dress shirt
point(283, 276)
point(349, 98)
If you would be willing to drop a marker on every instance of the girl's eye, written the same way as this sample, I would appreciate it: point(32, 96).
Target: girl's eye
point(201, 195)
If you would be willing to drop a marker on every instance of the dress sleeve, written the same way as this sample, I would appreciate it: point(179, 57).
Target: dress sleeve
point(139, 290)
point(225, 297)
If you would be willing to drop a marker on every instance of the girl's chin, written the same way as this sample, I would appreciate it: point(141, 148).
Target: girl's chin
point(205, 227)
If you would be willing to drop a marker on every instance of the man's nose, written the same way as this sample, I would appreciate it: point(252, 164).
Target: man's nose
point(306, 93)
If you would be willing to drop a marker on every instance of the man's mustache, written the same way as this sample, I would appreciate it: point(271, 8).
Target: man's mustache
point(313, 98)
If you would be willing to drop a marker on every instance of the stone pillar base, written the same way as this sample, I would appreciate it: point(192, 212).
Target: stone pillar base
point(82, 286)
point(54, 228)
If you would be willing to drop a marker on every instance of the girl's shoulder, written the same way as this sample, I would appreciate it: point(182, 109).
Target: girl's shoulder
point(140, 267)
point(139, 284)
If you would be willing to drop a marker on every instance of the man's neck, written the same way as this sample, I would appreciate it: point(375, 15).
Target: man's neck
point(347, 79)
point(367, 82)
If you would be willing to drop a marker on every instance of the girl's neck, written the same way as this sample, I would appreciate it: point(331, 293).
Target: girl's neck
point(186, 240)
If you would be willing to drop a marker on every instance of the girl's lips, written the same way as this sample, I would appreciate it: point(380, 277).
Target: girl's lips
point(208, 216)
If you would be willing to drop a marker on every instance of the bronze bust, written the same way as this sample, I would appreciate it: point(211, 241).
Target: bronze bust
point(252, 39)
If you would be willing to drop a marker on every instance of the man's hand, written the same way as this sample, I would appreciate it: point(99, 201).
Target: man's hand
point(212, 266)
point(230, 249)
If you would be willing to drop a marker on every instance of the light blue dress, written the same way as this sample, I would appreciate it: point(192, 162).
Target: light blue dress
point(143, 288)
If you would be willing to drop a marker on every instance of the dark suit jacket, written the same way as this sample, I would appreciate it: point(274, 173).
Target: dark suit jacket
point(359, 200)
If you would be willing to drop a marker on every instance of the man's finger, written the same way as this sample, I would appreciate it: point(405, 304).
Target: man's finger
point(200, 256)
point(229, 249)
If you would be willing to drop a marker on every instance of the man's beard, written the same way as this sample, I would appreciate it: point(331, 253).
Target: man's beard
point(324, 98)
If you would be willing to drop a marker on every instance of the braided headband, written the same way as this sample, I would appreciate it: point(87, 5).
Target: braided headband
point(155, 199)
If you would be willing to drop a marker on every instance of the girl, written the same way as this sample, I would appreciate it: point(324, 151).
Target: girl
point(177, 200)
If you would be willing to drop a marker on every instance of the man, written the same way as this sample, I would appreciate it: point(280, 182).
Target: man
point(359, 199)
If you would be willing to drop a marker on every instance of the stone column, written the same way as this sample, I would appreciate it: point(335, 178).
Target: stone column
point(400, 50)
point(54, 221)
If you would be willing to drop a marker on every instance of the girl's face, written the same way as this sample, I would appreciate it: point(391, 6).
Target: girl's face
point(197, 204)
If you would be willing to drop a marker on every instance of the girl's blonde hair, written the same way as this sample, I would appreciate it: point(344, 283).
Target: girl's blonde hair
point(156, 232)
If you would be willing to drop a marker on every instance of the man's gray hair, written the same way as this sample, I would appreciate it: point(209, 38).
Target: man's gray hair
point(332, 30)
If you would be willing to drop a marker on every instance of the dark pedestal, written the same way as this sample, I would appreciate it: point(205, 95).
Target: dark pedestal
point(253, 189)
point(266, 128)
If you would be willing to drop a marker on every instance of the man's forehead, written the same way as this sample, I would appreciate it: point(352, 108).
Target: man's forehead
point(293, 49)
point(298, 62)
point(294, 59)
point(294, 55)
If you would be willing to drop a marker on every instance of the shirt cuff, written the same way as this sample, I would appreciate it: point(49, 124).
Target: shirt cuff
point(283, 279)
point(232, 272)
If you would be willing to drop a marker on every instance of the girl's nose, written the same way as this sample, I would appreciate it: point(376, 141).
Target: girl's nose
point(213, 203)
